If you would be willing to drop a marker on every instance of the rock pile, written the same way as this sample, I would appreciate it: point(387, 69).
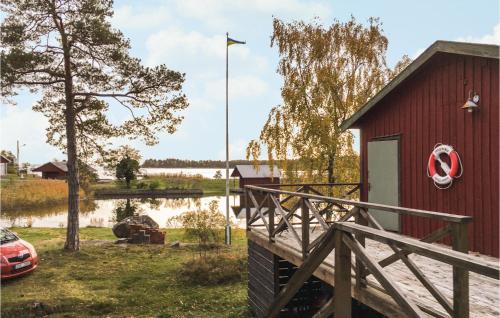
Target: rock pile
point(139, 229)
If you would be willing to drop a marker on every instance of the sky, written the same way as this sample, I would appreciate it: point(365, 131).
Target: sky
point(189, 36)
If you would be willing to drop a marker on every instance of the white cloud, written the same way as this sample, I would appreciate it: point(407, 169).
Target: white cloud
point(218, 13)
point(139, 17)
point(239, 86)
point(237, 149)
point(175, 44)
point(200, 104)
point(23, 124)
point(493, 38)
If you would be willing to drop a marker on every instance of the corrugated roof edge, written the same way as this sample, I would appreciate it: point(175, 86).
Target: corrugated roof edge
point(463, 48)
point(61, 165)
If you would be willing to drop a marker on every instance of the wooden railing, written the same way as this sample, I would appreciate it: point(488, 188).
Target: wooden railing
point(344, 226)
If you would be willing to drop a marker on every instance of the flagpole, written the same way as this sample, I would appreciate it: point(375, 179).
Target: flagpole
point(228, 225)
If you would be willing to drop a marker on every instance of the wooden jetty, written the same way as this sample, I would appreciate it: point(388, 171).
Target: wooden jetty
point(337, 242)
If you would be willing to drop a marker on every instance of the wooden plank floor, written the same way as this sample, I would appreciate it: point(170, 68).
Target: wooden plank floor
point(484, 291)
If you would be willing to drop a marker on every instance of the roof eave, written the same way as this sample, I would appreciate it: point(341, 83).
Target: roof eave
point(474, 49)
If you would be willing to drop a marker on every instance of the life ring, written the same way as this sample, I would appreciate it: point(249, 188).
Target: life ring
point(450, 172)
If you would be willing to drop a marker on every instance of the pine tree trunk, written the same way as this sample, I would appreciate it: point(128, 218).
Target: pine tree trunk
point(72, 233)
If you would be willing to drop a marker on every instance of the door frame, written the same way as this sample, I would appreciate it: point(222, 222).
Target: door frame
point(398, 138)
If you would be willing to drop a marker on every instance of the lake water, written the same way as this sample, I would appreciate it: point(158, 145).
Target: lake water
point(103, 213)
point(205, 172)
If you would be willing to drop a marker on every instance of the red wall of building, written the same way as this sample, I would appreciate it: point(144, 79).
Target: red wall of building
point(425, 110)
point(258, 181)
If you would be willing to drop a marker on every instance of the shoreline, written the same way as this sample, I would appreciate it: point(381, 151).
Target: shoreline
point(147, 193)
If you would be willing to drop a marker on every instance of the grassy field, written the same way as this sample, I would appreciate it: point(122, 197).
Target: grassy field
point(108, 280)
point(172, 181)
point(32, 192)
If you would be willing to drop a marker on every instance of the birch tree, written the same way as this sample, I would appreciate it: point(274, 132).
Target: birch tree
point(328, 72)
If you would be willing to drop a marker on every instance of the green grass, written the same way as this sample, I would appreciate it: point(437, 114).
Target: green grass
point(111, 280)
point(210, 187)
point(31, 192)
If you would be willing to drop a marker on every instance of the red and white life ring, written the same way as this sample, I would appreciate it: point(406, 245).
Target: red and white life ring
point(450, 172)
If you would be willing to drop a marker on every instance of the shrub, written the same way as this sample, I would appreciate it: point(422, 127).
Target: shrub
point(203, 225)
point(214, 269)
point(155, 184)
point(141, 185)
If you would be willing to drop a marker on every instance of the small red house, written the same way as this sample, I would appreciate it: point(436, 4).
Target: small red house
point(251, 175)
point(53, 170)
point(419, 109)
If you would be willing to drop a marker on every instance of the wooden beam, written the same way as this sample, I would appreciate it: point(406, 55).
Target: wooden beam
point(271, 223)
point(257, 206)
point(316, 241)
point(347, 195)
point(394, 209)
point(302, 274)
point(283, 215)
point(360, 270)
point(408, 306)
point(442, 300)
point(291, 196)
point(342, 294)
point(281, 224)
point(247, 209)
point(259, 210)
point(433, 251)
point(354, 211)
point(429, 238)
point(305, 228)
point(316, 214)
point(460, 275)
point(373, 296)
point(327, 309)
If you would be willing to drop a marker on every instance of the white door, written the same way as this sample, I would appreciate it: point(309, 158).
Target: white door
point(383, 180)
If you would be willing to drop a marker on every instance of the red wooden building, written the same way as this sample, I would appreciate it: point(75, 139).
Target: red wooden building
point(53, 170)
point(251, 175)
point(422, 107)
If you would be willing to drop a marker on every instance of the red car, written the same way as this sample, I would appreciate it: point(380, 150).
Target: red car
point(18, 256)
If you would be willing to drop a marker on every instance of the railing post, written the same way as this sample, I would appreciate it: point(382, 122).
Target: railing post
point(342, 292)
point(304, 209)
point(247, 207)
point(271, 217)
point(304, 216)
point(460, 276)
point(360, 267)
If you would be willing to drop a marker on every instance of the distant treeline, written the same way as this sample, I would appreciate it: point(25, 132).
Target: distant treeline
point(178, 163)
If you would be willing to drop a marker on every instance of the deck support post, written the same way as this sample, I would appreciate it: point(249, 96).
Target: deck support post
point(342, 302)
point(460, 275)
point(247, 208)
point(303, 273)
point(304, 209)
point(271, 221)
point(360, 267)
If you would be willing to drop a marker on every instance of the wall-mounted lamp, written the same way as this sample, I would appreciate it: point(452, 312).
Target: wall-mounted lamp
point(472, 102)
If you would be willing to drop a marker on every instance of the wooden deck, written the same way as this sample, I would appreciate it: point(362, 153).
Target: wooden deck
point(339, 241)
point(484, 291)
